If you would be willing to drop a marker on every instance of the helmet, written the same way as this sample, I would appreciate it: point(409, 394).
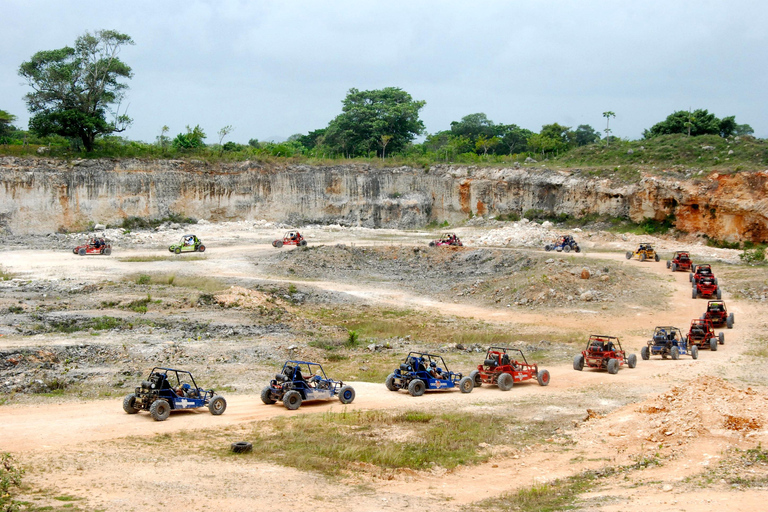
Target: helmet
point(432, 364)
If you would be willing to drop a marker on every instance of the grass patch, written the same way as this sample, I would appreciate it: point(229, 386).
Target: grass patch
point(100, 323)
point(5, 275)
point(201, 283)
point(157, 257)
point(332, 443)
point(132, 223)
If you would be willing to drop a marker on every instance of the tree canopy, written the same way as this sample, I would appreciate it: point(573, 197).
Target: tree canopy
point(74, 89)
point(698, 122)
point(374, 120)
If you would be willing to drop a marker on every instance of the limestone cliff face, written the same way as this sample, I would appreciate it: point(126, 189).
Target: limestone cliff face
point(43, 195)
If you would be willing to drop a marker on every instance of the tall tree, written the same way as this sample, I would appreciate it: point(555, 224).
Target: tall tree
point(698, 122)
point(74, 89)
point(473, 126)
point(608, 115)
point(585, 134)
point(6, 122)
point(368, 115)
point(513, 138)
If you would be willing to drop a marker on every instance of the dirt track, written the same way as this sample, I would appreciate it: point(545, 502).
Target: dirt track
point(70, 445)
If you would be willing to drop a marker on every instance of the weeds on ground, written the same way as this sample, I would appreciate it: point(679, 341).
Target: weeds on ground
point(10, 482)
point(157, 257)
point(5, 275)
point(200, 283)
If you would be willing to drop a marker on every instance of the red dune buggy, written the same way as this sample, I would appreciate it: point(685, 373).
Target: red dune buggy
point(290, 238)
point(604, 352)
point(680, 261)
point(94, 246)
point(504, 371)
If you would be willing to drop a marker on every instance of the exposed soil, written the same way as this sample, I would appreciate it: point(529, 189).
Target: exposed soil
point(79, 332)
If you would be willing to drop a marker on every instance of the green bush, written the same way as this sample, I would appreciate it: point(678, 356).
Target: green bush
point(10, 481)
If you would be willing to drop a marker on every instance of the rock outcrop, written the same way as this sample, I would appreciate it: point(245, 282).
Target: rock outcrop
point(40, 195)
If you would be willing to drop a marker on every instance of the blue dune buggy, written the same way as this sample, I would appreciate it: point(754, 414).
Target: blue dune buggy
point(300, 381)
point(668, 342)
point(421, 372)
point(168, 389)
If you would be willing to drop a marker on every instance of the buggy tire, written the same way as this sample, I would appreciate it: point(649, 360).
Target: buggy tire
point(266, 396)
point(713, 344)
point(81, 252)
point(721, 338)
point(695, 352)
point(466, 384)
point(645, 353)
point(476, 378)
point(107, 251)
point(390, 382)
point(505, 381)
point(669, 264)
point(303, 243)
point(417, 387)
point(160, 410)
point(642, 257)
point(431, 244)
point(729, 321)
point(656, 257)
point(674, 267)
point(577, 249)
point(241, 447)
point(632, 360)
point(547, 247)
point(201, 248)
point(694, 293)
point(675, 352)
point(217, 405)
point(629, 255)
point(719, 293)
point(129, 403)
point(292, 400)
point(613, 366)
point(543, 377)
point(567, 248)
point(346, 394)
point(715, 280)
point(578, 362)
point(74, 251)
point(170, 249)
point(278, 243)
point(177, 250)
point(690, 276)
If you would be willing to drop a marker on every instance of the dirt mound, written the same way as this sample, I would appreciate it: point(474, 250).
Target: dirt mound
point(239, 296)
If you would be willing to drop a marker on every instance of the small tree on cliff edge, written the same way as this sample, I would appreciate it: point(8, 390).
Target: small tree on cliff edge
point(608, 115)
point(74, 89)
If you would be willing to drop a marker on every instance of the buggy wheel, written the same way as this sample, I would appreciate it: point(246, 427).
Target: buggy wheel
point(669, 264)
point(278, 243)
point(713, 344)
point(694, 292)
point(664, 355)
point(642, 257)
point(217, 405)
point(201, 248)
point(292, 400)
point(266, 395)
point(390, 382)
point(417, 387)
point(690, 277)
point(567, 248)
point(675, 353)
point(170, 249)
point(177, 250)
point(578, 362)
point(431, 244)
point(721, 338)
point(729, 321)
point(466, 384)
point(74, 251)
point(303, 243)
point(613, 366)
point(476, 378)
point(107, 251)
point(543, 377)
point(505, 382)
point(346, 395)
point(715, 280)
point(242, 447)
point(81, 252)
point(695, 352)
point(577, 249)
point(632, 360)
point(160, 410)
point(547, 247)
point(674, 267)
point(629, 255)
point(656, 257)
point(719, 293)
point(129, 403)
point(645, 353)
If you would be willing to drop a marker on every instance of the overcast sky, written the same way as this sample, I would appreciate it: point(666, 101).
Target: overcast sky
point(274, 68)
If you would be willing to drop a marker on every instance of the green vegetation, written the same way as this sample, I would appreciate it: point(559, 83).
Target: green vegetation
point(5, 276)
point(132, 223)
point(203, 284)
point(10, 481)
point(333, 443)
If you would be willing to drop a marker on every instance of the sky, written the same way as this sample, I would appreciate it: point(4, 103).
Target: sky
point(271, 69)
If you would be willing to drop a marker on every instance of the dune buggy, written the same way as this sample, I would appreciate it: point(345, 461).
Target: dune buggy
point(604, 352)
point(302, 381)
point(643, 253)
point(706, 286)
point(702, 333)
point(94, 246)
point(290, 238)
point(699, 272)
point(666, 342)
point(564, 243)
point(421, 372)
point(446, 239)
point(169, 389)
point(718, 314)
point(188, 243)
point(680, 261)
point(501, 369)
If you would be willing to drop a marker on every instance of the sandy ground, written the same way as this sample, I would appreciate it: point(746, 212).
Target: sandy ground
point(67, 447)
